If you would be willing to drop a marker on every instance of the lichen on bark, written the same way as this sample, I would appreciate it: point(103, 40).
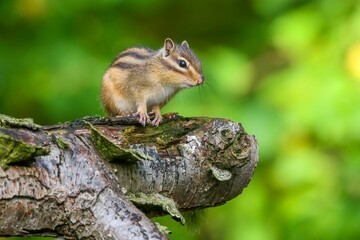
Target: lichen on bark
point(168, 205)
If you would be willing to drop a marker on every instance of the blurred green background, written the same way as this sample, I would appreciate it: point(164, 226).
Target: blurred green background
point(289, 71)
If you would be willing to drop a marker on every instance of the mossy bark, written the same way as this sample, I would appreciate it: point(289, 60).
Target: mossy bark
point(101, 178)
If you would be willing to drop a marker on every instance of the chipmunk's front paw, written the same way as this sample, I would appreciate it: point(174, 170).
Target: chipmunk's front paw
point(143, 117)
point(157, 119)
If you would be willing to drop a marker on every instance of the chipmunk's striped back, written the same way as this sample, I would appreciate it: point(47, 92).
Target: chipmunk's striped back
point(131, 57)
point(140, 78)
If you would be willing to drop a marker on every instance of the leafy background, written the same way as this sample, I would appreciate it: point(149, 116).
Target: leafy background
point(289, 71)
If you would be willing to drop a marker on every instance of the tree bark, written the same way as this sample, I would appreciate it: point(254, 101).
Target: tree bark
point(102, 178)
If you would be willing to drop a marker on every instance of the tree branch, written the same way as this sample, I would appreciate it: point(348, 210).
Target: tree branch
point(101, 178)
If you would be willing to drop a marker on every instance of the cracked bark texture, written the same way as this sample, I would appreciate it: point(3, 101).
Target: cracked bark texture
point(102, 178)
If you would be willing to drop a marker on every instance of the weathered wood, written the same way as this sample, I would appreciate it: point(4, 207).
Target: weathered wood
point(81, 179)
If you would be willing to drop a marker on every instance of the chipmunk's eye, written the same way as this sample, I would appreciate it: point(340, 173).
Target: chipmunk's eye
point(182, 64)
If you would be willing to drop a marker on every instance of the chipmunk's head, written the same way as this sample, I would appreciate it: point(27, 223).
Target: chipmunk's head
point(183, 68)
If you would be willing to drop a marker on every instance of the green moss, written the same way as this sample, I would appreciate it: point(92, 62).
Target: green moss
point(168, 132)
point(110, 152)
point(7, 121)
point(155, 199)
point(12, 151)
point(61, 143)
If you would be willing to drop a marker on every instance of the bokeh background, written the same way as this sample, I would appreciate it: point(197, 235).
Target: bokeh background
point(288, 70)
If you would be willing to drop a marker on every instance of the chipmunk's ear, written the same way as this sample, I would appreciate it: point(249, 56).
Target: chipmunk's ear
point(185, 44)
point(169, 46)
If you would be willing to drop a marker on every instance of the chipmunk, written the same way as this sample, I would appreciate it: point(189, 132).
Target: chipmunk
point(141, 78)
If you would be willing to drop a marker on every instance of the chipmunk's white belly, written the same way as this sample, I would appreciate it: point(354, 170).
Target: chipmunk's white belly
point(160, 96)
point(125, 106)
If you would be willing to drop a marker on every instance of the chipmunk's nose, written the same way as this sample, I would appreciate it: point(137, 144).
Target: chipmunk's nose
point(201, 80)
